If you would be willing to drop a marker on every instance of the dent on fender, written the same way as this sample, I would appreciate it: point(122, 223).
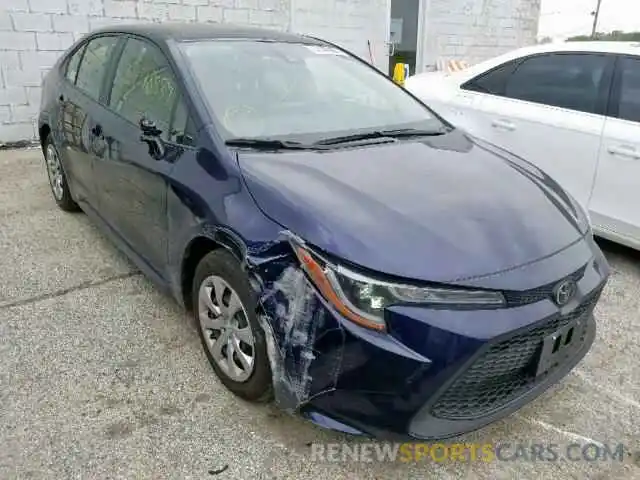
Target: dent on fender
point(295, 322)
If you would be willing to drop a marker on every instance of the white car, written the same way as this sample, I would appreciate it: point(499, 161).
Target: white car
point(572, 109)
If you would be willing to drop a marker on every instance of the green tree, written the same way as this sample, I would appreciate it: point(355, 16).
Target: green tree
point(615, 36)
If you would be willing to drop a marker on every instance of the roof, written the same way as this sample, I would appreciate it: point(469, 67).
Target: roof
point(624, 48)
point(631, 48)
point(202, 31)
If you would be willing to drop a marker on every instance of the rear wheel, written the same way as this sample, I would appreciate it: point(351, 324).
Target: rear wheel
point(57, 178)
point(224, 307)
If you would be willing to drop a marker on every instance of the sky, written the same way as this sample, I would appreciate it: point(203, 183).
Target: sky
point(565, 18)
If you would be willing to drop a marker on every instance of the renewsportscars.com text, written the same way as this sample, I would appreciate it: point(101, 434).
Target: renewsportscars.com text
point(473, 452)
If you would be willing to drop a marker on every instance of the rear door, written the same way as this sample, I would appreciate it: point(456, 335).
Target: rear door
point(69, 127)
point(80, 97)
point(615, 204)
point(548, 109)
point(133, 184)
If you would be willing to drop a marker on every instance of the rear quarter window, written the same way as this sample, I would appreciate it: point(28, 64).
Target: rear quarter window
point(492, 82)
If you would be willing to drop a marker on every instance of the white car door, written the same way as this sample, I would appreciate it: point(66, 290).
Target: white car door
point(615, 203)
point(548, 109)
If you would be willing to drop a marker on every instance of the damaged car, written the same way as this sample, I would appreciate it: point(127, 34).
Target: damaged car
point(343, 250)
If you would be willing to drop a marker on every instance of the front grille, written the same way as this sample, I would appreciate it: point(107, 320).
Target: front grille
point(504, 371)
point(516, 298)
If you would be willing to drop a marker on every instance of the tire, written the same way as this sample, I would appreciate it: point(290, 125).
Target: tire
point(57, 177)
point(220, 264)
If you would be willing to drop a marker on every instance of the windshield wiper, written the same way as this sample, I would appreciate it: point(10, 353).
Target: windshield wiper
point(267, 144)
point(413, 132)
point(381, 134)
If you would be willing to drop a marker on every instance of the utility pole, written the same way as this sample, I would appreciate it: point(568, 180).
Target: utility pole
point(595, 14)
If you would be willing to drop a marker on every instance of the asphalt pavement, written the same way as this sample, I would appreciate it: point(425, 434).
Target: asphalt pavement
point(102, 376)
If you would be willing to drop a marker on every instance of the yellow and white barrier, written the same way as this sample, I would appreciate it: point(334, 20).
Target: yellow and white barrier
point(451, 66)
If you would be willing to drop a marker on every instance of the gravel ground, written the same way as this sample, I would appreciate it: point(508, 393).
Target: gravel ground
point(103, 377)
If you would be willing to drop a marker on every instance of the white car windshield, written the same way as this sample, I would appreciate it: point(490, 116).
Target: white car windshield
point(258, 89)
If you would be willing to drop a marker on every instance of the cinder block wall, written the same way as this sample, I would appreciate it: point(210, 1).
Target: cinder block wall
point(475, 30)
point(33, 33)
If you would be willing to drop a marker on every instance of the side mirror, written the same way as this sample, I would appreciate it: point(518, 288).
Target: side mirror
point(151, 136)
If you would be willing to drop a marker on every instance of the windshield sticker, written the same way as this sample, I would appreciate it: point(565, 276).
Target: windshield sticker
point(325, 50)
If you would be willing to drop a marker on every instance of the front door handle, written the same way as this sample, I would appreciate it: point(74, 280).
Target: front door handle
point(503, 124)
point(625, 151)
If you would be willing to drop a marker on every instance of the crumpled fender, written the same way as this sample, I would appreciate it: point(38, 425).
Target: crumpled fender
point(293, 319)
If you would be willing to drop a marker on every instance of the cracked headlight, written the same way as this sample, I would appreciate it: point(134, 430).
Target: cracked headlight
point(362, 299)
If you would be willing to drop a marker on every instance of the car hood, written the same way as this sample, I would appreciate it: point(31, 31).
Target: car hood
point(445, 209)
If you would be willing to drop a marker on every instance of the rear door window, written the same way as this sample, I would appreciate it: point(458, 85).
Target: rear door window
point(144, 86)
point(94, 65)
point(571, 81)
point(629, 103)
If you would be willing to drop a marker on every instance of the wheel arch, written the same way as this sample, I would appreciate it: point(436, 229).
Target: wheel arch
point(201, 245)
point(43, 132)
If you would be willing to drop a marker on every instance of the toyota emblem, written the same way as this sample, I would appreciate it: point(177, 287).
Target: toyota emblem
point(564, 292)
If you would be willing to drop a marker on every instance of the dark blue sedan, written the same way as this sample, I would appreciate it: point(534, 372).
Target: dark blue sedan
point(342, 248)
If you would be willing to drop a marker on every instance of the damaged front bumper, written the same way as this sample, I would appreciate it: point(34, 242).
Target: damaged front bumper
point(433, 374)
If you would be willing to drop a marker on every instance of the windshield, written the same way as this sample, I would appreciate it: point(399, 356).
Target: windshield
point(258, 89)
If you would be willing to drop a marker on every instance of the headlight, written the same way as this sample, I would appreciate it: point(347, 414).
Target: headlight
point(362, 299)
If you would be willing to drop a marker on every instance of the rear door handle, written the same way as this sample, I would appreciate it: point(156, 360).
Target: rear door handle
point(503, 124)
point(625, 151)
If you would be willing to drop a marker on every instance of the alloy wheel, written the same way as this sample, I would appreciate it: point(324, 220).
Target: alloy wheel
point(226, 329)
point(54, 170)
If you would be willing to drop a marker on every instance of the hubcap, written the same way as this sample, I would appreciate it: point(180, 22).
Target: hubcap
point(226, 328)
point(55, 172)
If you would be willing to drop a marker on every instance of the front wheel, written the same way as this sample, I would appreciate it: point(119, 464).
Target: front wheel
point(224, 307)
point(57, 177)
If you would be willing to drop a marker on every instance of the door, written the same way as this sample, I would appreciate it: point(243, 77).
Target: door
point(79, 99)
point(549, 110)
point(404, 33)
point(615, 203)
point(133, 184)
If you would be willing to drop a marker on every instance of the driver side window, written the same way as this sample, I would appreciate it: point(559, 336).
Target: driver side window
point(144, 86)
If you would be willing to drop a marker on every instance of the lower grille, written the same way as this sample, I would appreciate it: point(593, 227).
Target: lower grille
point(504, 372)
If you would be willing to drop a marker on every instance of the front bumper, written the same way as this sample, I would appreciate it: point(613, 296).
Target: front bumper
point(436, 373)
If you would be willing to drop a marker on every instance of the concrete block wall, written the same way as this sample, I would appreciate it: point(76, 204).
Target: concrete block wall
point(475, 30)
point(348, 23)
point(33, 34)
